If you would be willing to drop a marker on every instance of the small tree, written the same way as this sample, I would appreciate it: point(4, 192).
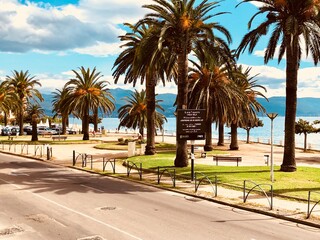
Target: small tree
point(303, 126)
point(250, 125)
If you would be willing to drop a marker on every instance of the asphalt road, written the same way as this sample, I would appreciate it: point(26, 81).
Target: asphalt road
point(42, 201)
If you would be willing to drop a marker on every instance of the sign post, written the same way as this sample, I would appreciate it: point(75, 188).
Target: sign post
point(191, 126)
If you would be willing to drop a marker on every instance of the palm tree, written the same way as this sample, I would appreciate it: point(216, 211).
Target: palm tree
point(250, 125)
point(134, 113)
point(210, 87)
point(247, 107)
point(60, 108)
point(23, 85)
point(142, 60)
point(305, 127)
point(85, 93)
point(290, 21)
point(8, 100)
point(36, 112)
point(183, 24)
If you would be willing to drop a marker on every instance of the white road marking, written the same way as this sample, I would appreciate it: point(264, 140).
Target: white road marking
point(96, 189)
point(74, 211)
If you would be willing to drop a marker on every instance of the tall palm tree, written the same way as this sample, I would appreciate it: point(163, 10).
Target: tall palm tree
point(23, 85)
point(134, 113)
point(247, 107)
point(36, 112)
point(289, 21)
point(183, 24)
point(141, 59)
point(85, 93)
point(210, 87)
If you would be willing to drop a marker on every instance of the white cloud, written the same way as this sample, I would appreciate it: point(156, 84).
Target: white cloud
point(44, 28)
point(101, 49)
point(274, 80)
point(170, 87)
point(304, 56)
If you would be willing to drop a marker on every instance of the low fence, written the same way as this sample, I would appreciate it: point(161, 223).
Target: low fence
point(34, 150)
point(166, 175)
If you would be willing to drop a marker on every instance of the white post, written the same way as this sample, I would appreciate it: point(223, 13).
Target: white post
point(272, 175)
point(272, 116)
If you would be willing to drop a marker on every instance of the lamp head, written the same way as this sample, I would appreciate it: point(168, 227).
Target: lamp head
point(272, 115)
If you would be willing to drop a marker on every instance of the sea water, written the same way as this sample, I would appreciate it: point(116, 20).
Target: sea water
point(257, 134)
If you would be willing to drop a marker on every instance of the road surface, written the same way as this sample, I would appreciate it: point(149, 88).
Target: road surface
point(43, 201)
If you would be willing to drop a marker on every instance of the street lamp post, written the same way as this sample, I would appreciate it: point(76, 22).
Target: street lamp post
point(272, 116)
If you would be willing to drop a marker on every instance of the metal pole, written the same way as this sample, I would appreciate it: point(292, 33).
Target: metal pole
point(272, 177)
point(272, 116)
point(192, 160)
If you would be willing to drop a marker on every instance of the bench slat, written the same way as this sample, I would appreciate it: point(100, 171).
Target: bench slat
point(229, 159)
point(59, 138)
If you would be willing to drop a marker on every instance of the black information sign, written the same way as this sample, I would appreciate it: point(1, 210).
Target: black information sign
point(191, 124)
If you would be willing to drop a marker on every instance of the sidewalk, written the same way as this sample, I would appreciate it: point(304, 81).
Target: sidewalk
point(252, 154)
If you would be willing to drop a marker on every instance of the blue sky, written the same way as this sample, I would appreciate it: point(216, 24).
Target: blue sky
point(51, 37)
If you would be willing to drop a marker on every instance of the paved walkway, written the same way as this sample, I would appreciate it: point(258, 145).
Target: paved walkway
point(252, 154)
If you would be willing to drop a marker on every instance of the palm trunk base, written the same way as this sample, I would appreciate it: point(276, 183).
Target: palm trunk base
point(207, 148)
point(86, 137)
point(182, 158)
point(288, 168)
point(234, 147)
point(150, 150)
point(220, 143)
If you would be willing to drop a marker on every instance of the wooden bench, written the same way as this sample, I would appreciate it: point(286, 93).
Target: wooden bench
point(59, 138)
point(227, 159)
point(96, 134)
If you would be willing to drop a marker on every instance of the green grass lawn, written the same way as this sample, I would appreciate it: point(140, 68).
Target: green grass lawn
point(115, 145)
point(296, 184)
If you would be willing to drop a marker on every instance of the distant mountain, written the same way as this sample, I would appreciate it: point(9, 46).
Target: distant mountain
point(305, 107)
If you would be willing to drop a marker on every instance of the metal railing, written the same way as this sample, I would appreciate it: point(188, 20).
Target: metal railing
point(245, 196)
point(309, 203)
point(171, 175)
point(204, 177)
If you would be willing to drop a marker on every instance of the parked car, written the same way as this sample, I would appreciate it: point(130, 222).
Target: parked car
point(15, 130)
point(46, 131)
point(71, 131)
point(27, 130)
point(6, 131)
point(58, 130)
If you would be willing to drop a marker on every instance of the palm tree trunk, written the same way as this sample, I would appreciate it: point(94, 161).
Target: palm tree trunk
point(21, 121)
point(221, 134)
point(305, 142)
point(5, 120)
point(64, 123)
point(85, 124)
point(181, 159)
point(34, 136)
point(151, 108)
point(234, 137)
point(95, 119)
point(208, 144)
point(248, 135)
point(289, 161)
